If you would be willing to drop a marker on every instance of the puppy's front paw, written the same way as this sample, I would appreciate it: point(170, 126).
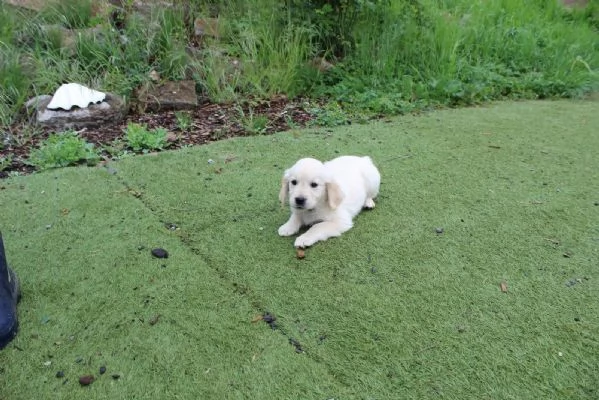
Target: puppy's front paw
point(304, 240)
point(288, 229)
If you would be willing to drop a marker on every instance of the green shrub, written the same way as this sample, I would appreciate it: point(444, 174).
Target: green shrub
point(61, 150)
point(330, 115)
point(461, 52)
point(5, 162)
point(184, 120)
point(334, 20)
point(139, 138)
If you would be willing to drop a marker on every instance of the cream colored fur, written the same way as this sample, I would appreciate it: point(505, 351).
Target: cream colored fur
point(327, 196)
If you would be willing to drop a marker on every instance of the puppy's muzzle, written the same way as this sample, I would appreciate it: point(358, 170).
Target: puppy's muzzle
point(300, 201)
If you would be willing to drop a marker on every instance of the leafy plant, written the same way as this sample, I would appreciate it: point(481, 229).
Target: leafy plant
point(184, 120)
point(5, 162)
point(332, 114)
point(61, 150)
point(334, 19)
point(140, 138)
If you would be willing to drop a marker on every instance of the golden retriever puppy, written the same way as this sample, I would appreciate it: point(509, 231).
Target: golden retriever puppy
point(327, 196)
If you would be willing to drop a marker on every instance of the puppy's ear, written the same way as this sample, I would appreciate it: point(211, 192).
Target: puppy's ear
point(284, 189)
point(334, 195)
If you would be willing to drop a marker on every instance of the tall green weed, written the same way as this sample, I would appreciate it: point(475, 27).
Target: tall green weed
point(463, 52)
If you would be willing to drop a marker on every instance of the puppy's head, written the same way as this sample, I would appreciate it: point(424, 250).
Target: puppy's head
point(309, 186)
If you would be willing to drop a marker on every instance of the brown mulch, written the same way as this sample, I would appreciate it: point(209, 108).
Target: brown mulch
point(210, 122)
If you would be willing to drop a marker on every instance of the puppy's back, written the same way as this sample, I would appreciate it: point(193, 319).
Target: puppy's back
point(354, 173)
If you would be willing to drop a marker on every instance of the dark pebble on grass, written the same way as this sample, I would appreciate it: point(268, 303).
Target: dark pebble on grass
point(60, 374)
point(270, 320)
point(170, 226)
point(159, 253)
point(297, 345)
point(102, 370)
point(439, 230)
point(86, 380)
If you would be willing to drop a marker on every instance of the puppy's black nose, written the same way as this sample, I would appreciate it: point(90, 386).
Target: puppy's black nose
point(300, 201)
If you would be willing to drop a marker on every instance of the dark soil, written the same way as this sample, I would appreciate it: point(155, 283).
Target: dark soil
point(209, 122)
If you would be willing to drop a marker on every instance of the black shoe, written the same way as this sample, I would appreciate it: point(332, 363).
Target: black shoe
point(9, 297)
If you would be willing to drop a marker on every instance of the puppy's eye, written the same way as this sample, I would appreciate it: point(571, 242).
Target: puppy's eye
point(294, 182)
point(314, 184)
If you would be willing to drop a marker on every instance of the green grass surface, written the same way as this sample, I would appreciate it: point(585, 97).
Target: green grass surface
point(389, 310)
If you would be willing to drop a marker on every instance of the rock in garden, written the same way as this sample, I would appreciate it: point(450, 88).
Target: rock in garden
point(170, 95)
point(107, 112)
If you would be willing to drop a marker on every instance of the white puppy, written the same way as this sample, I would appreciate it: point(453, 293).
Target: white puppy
point(327, 196)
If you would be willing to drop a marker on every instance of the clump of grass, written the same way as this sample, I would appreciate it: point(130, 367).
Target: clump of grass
point(70, 13)
point(61, 150)
point(254, 124)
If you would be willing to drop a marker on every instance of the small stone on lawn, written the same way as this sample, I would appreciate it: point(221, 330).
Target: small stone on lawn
point(159, 253)
point(86, 380)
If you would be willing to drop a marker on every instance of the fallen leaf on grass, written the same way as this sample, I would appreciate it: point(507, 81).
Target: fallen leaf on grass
point(230, 158)
point(135, 193)
point(503, 287)
point(257, 318)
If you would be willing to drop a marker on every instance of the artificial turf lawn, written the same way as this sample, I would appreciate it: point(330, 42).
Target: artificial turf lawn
point(391, 309)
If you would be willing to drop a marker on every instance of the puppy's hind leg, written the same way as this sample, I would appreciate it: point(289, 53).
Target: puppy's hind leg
point(372, 179)
point(369, 204)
